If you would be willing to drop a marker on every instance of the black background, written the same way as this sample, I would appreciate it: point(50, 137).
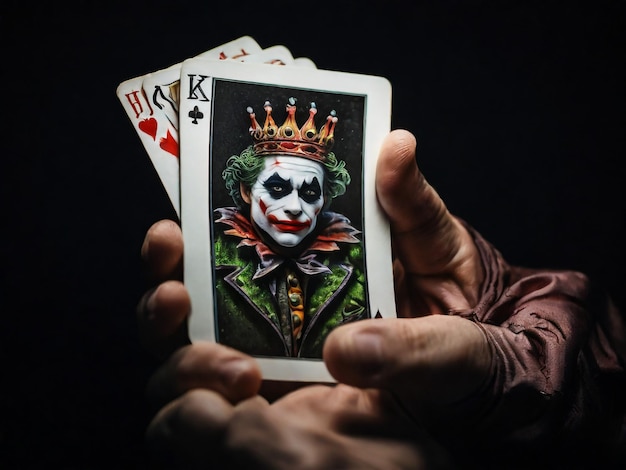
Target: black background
point(518, 108)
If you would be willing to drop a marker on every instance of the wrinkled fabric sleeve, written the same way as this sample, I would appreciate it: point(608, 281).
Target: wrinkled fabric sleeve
point(558, 375)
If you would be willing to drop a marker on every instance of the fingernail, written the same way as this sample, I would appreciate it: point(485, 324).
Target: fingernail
point(368, 346)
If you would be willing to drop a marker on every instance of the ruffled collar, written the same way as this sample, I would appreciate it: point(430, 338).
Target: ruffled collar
point(337, 229)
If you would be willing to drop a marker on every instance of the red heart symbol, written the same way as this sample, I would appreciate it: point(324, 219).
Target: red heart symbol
point(149, 126)
point(169, 144)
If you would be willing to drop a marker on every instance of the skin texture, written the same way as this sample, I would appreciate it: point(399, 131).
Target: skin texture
point(394, 375)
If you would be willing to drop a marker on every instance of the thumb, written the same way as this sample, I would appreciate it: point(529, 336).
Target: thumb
point(438, 358)
point(437, 256)
point(428, 239)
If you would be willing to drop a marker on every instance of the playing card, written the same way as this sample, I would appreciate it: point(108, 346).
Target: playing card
point(304, 62)
point(160, 89)
point(150, 103)
point(274, 55)
point(162, 148)
point(284, 239)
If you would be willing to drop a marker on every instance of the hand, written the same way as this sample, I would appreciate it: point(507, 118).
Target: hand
point(162, 314)
point(430, 360)
point(209, 412)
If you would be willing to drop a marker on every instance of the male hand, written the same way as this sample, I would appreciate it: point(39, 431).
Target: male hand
point(395, 375)
point(430, 361)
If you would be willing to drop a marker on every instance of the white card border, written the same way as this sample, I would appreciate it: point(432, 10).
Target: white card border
point(195, 218)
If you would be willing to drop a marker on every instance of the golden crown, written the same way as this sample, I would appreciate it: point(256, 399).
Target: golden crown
point(289, 139)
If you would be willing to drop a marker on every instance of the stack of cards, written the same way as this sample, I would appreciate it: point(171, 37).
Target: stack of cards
point(270, 163)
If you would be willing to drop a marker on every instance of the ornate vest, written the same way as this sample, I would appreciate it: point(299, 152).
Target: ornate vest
point(272, 306)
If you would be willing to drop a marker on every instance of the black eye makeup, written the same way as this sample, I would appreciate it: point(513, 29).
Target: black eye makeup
point(310, 192)
point(278, 187)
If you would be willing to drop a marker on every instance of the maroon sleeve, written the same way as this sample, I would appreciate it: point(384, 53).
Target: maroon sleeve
point(558, 376)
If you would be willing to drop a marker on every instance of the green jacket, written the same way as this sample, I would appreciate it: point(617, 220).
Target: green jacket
point(251, 299)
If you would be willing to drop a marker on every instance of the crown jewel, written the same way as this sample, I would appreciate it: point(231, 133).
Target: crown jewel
point(289, 139)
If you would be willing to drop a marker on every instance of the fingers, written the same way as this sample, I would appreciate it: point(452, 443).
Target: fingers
point(422, 227)
point(327, 427)
point(162, 318)
point(187, 433)
point(162, 312)
point(162, 251)
point(418, 216)
point(438, 358)
point(316, 427)
point(231, 373)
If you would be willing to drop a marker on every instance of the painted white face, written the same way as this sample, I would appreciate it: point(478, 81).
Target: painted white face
point(287, 198)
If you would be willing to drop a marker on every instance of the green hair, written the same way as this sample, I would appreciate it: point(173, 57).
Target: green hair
point(246, 167)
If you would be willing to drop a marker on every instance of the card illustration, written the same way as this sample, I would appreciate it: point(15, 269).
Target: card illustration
point(284, 239)
point(287, 267)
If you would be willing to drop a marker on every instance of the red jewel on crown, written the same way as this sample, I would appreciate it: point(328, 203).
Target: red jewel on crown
point(289, 139)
